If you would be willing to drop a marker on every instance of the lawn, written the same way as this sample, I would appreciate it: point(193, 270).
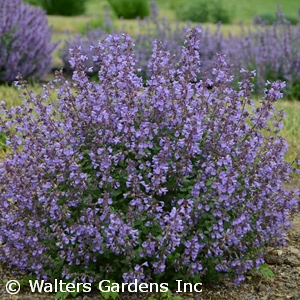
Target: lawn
point(242, 10)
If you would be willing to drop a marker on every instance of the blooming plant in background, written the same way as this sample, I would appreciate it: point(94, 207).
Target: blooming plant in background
point(118, 180)
point(25, 41)
point(150, 29)
point(90, 39)
point(273, 52)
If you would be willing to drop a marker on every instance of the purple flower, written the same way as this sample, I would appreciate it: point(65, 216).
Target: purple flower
point(126, 180)
point(25, 41)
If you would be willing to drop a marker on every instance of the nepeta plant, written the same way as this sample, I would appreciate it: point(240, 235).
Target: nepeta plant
point(84, 42)
point(25, 41)
point(117, 180)
point(150, 29)
point(273, 52)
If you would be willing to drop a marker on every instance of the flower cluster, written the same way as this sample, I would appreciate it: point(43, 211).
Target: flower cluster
point(25, 41)
point(272, 51)
point(123, 180)
point(150, 29)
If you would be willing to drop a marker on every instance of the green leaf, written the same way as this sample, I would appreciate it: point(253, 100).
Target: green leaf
point(74, 294)
point(266, 271)
point(25, 280)
point(167, 294)
point(108, 295)
point(61, 295)
point(117, 193)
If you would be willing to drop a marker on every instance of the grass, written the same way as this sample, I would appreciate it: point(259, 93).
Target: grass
point(10, 94)
point(243, 11)
point(290, 130)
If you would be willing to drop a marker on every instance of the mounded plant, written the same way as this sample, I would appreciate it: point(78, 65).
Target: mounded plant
point(130, 9)
point(202, 11)
point(219, 12)
point(194, 11)
point(25, 41)
point(117, 180)
point(63, 7)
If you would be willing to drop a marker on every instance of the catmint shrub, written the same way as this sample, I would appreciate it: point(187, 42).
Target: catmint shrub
point(85, 42)
point(25, 41)
point(116, 180)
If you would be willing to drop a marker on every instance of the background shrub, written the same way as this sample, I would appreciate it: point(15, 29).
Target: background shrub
point(130, 9)
point(219, 13)
point(103, 22)
point(202, 11)
point(63, 7)
point(271, 18)
point(25, 41)
point(122, 181)
point(194, 11)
